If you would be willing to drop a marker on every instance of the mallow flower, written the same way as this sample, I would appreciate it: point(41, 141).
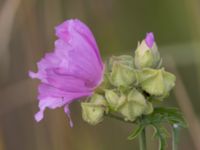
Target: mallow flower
point(73, 70)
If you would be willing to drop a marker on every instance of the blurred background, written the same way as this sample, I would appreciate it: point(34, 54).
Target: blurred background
point(27, 32)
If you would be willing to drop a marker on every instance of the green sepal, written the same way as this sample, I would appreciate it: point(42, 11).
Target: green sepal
point(121, 70)
point(143, 60)
point(136, 132)
point(93, 110)
point(156, 82)
point(134, 106)
point(114, 100)
point(149, 108)
point(92, 113)
point(126, 60)
point(122, 75)
point(98, 100)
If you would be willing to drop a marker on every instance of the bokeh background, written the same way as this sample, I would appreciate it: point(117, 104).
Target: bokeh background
point(27, 32)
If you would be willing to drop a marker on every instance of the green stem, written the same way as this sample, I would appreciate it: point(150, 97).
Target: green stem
point(175, 136)
point(118, 118)
point(142, 140)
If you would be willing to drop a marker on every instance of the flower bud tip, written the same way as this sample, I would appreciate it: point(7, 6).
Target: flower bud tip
point(150, 39)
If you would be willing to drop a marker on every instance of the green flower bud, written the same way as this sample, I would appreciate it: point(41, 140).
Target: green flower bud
point(98, 100)
point(156, 82)
point(122, 71)
point(105, 84)
point(148, 109)
point(114, 100)
point(147, 55)
point(122, 75)
point(126, 60)
point(134, 106)
point(91, 113)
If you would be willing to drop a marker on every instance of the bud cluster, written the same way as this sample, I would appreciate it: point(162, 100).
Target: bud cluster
point(131, 85)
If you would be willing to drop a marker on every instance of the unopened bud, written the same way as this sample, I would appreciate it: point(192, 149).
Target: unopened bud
point(91, 113)
point(156, 82)
point(134, 106)
point(148, 109)
point(146, 54)
point(98, 100)
point(114, 100)
point(126, 60)
point(122, 71)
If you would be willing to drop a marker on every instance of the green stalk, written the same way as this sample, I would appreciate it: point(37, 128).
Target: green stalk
point(175, 136)
point(118, 118)
point(142, 140)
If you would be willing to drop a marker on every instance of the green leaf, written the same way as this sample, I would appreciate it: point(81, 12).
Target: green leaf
point(136, 132)
point(162, 135)
point(171, 115)
point(163, 114)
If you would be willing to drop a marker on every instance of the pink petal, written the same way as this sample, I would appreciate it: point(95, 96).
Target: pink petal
point(67, 111)
point(51, 97)
point(150, 39)
point(70, 27)
point(72, 71)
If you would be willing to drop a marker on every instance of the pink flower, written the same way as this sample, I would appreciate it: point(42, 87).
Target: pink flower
point(150, 39)
point(72, 71)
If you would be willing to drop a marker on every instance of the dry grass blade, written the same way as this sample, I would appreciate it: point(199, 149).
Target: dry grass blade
point(7, 15)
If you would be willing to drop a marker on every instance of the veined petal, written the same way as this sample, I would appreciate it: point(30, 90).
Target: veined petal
point(76, 53)
point(73, 26)
point(67, 82)
point(78, 43)
point(46, 90)
point(51, 97)
point(72, 71)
